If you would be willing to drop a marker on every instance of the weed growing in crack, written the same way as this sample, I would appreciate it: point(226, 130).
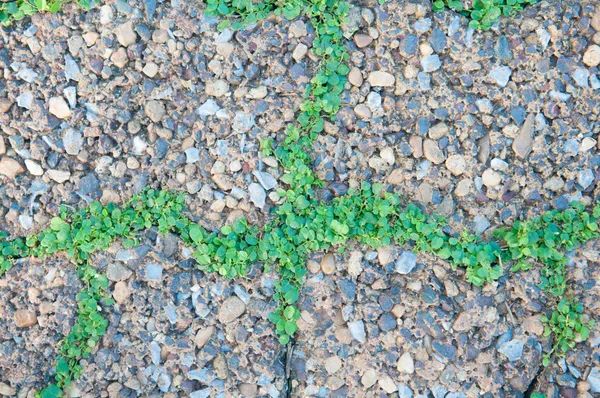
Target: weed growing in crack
point(370, 215)
point(483, 14)
point(12, 11)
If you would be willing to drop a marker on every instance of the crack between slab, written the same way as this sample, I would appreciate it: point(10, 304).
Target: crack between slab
point(533, 386)
point(287, 385)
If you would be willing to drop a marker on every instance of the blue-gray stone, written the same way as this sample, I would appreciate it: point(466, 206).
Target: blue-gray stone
point(387, 322)
point(406, 263)
point(348, 289)
point(171, 312)
point(571, 147)
point(154, 272)
point(423, 126)
point(204, 376)
point(439, 391)
point(438, 40)
point(585, 178)
point(155, 353)
point(404, 391)
point(445, 350)
point(431, 63)
point(150, 9)
point(205, 393)
point(481, 224)
point(513, 349)
point(89, 186)
point(161, 148)
point(518, 114)
point(594, 379)
point(503, 50)
point(429, 295)
point(424, 81)
point(423, 25)
point(566, 380)
point(501, 75)
point(357, 330)
point(581, 77)
point(409, 45)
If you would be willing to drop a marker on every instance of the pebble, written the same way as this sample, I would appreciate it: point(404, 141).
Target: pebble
point(387, 384)
point(126, 36)
point(499, 165)
point(72, 71)
point(363, 111)
point(481, 224)
point(581, 77)
point(513, 349)
point(523, 143)
point(299, 52)
point(155, 110)
point(355, 266)
point(192, 155)
point(231, 309)
point(362, 40)
point(203, 336)
point(406, 364)
point(333, 364)
point(209, 108)
point(154, 272)
point(72, 141)
point(25, 318)
point(7, 390)
point(59, 107)
point(150, 69)
point(328, 264)
point(491, 178)
point(267, 181)
point(70, 94)
point(585, 178)
point(217, 88)
point(355, 77)
point(25, 100)
point(456, 164)
point(591, 57)
point(406, 263)
point(357, 330)
point(374, 101)
point(34, 168)
point(59, 176)
point(106, 14)
point(485, 106)
point(121, 292)
point(258, 196)
point(438, 131)
point(369, 378)
point(10, 167)
point(431, 63)
point(594, 379)
point(501, 75)
point(381, 79)
point(432, 151)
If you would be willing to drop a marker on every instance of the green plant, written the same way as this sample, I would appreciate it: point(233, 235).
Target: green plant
point(567, 326)
point(484, 13)
point(16, 10)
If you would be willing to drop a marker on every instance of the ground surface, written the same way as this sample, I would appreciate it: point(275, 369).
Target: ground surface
point(503, 126)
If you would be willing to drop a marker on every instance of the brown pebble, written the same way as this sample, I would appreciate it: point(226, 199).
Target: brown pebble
point(362, 41)
point(25, 318)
